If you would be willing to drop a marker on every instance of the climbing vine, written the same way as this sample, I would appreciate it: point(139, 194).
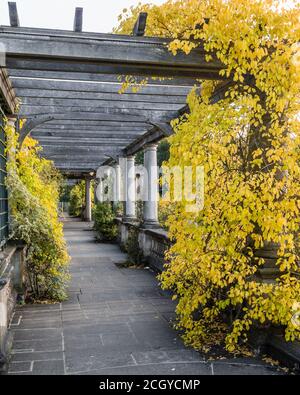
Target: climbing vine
point(235, 264)
point(33, 189)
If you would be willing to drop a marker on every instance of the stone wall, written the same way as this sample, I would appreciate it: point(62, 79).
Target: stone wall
point(153, 243)
point(11, 287)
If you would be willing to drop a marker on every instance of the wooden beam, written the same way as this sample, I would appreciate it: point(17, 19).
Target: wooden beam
point(106, 115)
point(86, 128)
point(30, 124)
point(84, 132)
point(7, 94)
point(97, 87)
point(13, 14)
point(164, 127)
point(140, 24)
point(78, 18)
point(96, 77)
point(96, 97)
point(88, 136)
point(96, 105)
point(98, 47)
point(73, 150)
point(83, 141)
point(105, 53)
point(152, 136)
point(149, 70)
point(31, 110)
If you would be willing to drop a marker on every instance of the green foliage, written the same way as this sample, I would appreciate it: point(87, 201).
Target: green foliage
point(104, 221)
point(65, 190)
point(77, 199)
point(132, 246)
point(163, 152)
point(33, 186)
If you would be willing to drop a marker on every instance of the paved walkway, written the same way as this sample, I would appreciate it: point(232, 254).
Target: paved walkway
point(116, 321)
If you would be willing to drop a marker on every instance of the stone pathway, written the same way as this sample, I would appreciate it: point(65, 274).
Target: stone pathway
point(116, 321)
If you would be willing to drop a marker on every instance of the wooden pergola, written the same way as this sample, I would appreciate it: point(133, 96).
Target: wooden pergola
point(68, 84)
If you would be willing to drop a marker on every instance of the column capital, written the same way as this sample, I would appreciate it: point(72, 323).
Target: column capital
point(150, 147)
point(11, 119)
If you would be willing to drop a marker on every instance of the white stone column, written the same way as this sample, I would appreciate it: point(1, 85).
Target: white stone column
point(88, 201)
point(117, 185)
point(130, 189)
point(96, 200)
point(151, 184)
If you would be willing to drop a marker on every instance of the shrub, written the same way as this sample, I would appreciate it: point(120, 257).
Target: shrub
point(104, 221)
point(33, 186)
point(77, 199)
point(132, 247)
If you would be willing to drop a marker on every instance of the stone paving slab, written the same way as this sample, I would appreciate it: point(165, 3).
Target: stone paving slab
point(116, 321)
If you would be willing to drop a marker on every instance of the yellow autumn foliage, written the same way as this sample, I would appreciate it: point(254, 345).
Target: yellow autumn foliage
point(249, 146)
point(33, 188)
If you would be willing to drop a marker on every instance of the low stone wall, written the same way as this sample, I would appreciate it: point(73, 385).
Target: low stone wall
point(153, 243)
point(11, 286)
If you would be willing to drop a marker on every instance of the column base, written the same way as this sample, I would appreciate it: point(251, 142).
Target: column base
point(129, 219)
point(150, 224)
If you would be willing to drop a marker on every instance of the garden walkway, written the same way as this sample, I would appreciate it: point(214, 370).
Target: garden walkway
point(116, 321)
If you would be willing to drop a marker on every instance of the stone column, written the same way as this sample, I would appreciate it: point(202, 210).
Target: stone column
point(117, 185)
point(95, 190)
point(151, 184)
point(11, 122)
point(130, 214)
point(88, 202)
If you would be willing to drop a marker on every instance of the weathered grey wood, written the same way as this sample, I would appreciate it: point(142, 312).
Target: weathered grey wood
point(101, 47)
point(87, 128)
point(71, 168)
point(80, 161)
point(30, 124)
point(104, 87)
point(67, 165)
point(110, 115)
point(96, 77)
point(94, 105)
point(83, 132)
point(95, 97)
point(140, 24)
point(154, 135)
point(8, 99)
point(164, 127)
point(78, 18)
point(86, 136)
point(87, 112)
point(91, 136)
point(138, 69)
point(99, 57)
point(82, 141)
point(13, 14)
point(55, 150)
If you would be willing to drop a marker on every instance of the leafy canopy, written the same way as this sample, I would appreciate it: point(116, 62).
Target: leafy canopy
point(239, 256)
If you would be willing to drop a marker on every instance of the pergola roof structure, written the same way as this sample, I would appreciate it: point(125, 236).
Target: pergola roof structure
point(68, 84)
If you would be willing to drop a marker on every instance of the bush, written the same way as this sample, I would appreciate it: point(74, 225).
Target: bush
point(77, 199)
point(132, 247)
point(33, 185)
point(103, 216)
